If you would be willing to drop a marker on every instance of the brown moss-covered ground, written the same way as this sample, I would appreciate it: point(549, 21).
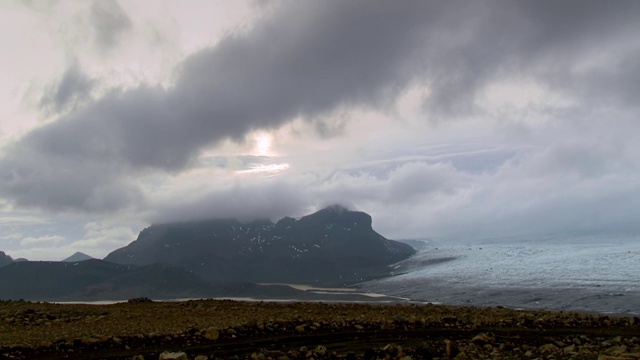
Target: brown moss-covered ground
point(263, 330)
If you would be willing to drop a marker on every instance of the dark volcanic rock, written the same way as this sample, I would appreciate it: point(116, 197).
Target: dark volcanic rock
point(333, 245)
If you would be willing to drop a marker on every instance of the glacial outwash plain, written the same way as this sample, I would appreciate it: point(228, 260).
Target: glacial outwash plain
point(212, 329)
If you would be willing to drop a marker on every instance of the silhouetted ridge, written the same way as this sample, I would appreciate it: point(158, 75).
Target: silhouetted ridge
point(5, 259)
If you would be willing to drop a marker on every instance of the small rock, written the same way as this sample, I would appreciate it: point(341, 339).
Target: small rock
point(320, 350)
point(173, 356)
point(201, 357)
point(212, 334)
point(616, 350)
point(571, 349)
point(548, 348)
point(300, 328)
point(483, 338)
point(462, 356)
point(359, 327)
point(617, 339)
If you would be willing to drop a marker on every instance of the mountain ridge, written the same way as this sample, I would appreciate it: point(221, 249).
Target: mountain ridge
point(331, 246)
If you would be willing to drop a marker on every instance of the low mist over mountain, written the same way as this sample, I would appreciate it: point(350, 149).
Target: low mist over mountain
point(331, 246)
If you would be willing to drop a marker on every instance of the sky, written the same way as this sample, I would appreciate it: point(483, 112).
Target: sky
point(441, 119)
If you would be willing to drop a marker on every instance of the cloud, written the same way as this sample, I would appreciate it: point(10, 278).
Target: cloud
point(310, 60)
point(65, 183)
point(71, 90)
point(101, 237)
point(244, 199)
point(109, 22)
point(22, 220)
point(41, 240)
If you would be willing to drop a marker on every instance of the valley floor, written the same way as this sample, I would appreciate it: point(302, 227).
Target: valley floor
point(263, 330)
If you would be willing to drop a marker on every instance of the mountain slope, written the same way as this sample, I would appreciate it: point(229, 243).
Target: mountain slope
point(93, 280)
point(101, 280)
point(5, 259)
point(331, 246)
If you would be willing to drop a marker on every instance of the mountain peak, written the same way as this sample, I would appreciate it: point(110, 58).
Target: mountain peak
point(78, 256)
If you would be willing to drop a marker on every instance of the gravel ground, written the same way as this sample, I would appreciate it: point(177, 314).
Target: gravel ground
point(303, 330)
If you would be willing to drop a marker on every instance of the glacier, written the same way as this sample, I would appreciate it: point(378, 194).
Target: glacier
point(582, 273)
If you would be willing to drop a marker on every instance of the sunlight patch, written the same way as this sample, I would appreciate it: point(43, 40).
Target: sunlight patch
point(260, 168)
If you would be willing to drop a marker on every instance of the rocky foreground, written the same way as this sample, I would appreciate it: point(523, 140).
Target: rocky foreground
point(209, 329)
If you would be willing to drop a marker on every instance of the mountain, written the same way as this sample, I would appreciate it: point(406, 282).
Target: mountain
point(78, 256)
point(5, 259)
point(93, 279)
point(100, 280)
point(332, 246)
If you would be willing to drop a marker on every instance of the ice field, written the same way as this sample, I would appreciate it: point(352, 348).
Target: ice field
point(568, 273)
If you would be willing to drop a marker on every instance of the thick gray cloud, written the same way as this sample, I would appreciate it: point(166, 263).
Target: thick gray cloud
point(261, 199)
point(73, 88)
point(311, 59)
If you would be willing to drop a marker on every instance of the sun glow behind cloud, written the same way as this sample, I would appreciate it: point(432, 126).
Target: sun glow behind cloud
point(260, 168)
point(263, 144)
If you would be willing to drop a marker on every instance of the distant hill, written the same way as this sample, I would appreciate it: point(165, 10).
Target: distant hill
point(331, 246)
point(94, 279)
point(78, 256)
point(5, 259)
point(99, 280)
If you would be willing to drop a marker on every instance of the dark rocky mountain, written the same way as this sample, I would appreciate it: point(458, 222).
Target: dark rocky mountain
point(78, 256)
point(5, 259)
point(332, 246)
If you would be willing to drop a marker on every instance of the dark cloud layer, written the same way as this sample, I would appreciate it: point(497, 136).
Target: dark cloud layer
point(71, 90)
point(309, 59)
